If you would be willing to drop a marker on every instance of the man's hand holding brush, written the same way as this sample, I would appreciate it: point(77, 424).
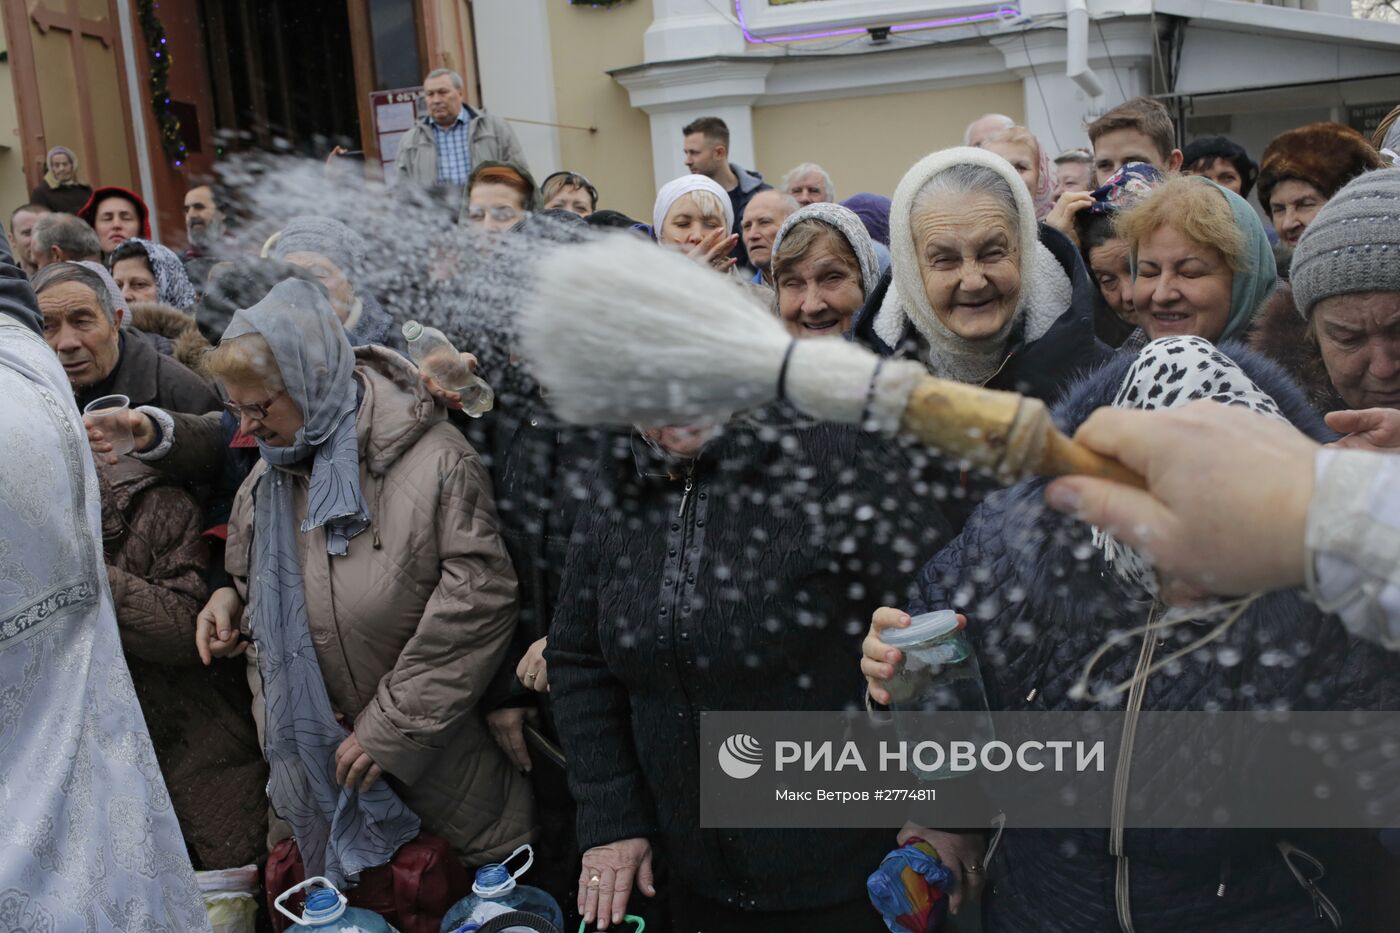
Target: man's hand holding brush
point(1226, 506)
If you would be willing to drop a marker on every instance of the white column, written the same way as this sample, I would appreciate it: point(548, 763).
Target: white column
point(517, 75)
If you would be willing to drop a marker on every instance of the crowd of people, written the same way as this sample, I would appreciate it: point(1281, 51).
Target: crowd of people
point(371, 637)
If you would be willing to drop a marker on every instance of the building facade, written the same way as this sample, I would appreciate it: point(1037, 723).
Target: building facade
point(863, 87)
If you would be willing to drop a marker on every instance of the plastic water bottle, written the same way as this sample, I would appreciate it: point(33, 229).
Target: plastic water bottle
point(436, 356)
point(326, 909)
point(495, 892)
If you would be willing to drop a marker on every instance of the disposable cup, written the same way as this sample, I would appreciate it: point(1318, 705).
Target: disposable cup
point(109, 415)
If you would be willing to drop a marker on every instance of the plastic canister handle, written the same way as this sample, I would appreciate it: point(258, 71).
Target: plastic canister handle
point(324, 882)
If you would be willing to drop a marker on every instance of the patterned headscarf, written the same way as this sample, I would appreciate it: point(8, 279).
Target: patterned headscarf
point(172, 283)
point(1127, 186)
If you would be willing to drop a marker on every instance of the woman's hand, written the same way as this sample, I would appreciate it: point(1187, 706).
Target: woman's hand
point(961, 854)
point(354, 769)
point(216, 628)
point(605, 884)
point(879, 659)
point(446, 396)
point(1062, 215)
point(507, 727)
point(1376, 429)
point(531, 671)
point(143, 433)
point(714, 250)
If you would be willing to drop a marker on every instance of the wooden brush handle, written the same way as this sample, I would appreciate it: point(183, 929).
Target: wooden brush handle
point(1008, 434)
point(1065, 457)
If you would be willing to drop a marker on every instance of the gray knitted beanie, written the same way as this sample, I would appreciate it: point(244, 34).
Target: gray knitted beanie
point(326, 236)
point(1353, 245)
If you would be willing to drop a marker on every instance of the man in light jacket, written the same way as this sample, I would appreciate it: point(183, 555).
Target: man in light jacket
point(441, 149)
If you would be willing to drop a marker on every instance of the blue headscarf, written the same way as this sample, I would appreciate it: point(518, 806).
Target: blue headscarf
point(1257, 278)
point(339, 831)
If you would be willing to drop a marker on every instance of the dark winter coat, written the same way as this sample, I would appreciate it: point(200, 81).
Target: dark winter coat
point(744, 582)
point(1037, 646)
point(199, 718)
point(187, 344)
point(540, 470)
point(148, 377)
point(1281, 334)
point(61, 199)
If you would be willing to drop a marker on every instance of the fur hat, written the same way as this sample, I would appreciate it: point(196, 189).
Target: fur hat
point(1325, 155)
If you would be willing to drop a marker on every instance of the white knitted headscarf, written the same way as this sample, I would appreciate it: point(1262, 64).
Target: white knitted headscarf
point(1046, 291)
point(676, 188)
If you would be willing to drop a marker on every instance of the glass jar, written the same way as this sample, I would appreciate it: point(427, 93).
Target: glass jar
point(938, 674)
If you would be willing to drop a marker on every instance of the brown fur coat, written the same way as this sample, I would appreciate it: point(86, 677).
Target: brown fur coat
point(1281, 334)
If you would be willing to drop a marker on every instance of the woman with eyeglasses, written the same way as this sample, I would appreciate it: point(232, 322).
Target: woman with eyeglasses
point(370, 578)
point(569, 191)
point(499, 195)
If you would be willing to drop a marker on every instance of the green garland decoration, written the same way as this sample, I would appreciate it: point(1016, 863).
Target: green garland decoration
point(158, 58)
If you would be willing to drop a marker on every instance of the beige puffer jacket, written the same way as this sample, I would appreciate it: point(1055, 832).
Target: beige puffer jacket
point(411, 624)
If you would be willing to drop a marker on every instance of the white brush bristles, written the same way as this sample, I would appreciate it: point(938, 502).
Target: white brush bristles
point(620, 331)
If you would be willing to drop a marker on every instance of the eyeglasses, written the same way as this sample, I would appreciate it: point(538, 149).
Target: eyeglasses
point(256, 410)
point(572, 180)
point(499, 214)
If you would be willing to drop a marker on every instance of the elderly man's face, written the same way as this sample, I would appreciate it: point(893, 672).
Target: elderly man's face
point(444, 100)
point(763, 216)
point(1359, 336)
point(808, 189)
point(75, 326)
point(969, 258)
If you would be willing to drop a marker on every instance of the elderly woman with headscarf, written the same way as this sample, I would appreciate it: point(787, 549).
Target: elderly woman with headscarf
point(147, 271)
point(1088, 632)
point(978, 290)
point(380, 599)
point(67, 195)
point(824, 268)
point(1202, 262)
point(694, 214)
point(336, 255)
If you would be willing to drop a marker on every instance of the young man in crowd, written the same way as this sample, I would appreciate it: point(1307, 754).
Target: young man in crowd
point(1138, 130)
point(22, 223)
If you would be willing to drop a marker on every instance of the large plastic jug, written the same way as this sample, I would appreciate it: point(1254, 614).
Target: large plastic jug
point(326, 910)
point(495, 891)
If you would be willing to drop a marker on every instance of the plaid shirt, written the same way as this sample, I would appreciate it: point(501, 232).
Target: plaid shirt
point(454, 158)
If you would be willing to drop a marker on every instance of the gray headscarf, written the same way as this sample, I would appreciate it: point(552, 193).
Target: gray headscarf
point(339, 831)
point(172, 283)
point(56, 150)
point(845, 222)
point(326, 236)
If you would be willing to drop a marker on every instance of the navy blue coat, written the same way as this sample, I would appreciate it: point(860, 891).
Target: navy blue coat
point(1040, 638)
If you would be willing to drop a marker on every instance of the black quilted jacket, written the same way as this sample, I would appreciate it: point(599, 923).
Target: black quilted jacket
point(744, 584)
point(1040, 601)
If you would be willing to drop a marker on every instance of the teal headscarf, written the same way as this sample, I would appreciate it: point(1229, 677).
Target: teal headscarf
point(1257, 277)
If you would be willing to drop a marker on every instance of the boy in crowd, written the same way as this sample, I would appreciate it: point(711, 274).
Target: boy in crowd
point(1138, 130)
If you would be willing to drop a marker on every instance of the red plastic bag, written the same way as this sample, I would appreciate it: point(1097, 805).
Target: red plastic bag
point(413, 892)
